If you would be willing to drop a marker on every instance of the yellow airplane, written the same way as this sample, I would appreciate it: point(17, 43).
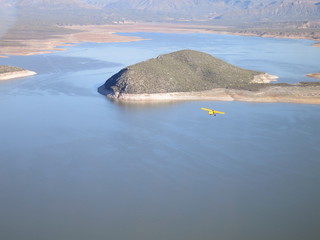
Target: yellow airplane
point(212, 112)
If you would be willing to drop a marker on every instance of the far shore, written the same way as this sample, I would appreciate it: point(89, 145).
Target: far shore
point(285, 94)
point(16, 74)
point(108, 33)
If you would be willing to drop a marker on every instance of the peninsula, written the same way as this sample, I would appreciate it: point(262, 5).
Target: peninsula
point(314, 75)
point(193, 75)
point(9, 72)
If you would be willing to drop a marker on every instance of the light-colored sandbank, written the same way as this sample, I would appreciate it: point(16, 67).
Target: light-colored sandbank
point(286, 94)
point(16, 74)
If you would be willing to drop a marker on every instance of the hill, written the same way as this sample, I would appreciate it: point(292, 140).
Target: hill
point(181, 71)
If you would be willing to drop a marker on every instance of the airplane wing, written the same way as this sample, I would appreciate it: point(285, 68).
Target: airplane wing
point(206, 109)
point(219, 112)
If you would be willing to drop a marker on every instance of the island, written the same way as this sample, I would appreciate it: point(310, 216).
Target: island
point(314, 75)
point(10, 72)
point(193, 75)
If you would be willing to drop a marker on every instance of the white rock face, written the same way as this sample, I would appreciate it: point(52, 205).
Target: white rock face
point(264, 78)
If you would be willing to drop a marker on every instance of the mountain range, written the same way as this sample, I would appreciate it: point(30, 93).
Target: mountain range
point(217, 11)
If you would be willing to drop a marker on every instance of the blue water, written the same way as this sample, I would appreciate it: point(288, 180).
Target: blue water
point(74, 165)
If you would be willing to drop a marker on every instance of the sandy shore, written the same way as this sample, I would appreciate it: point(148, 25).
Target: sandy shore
point(16, 74)
point(288, 94)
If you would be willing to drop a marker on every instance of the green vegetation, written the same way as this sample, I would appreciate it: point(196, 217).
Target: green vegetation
point(5, 69)
point(182, 71)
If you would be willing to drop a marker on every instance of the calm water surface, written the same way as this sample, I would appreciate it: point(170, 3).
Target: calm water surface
point(74, 165)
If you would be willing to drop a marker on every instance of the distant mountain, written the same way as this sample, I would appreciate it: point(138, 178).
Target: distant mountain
point(181, 71)
point(223, 10)
point(51, 4)
point(181, 10)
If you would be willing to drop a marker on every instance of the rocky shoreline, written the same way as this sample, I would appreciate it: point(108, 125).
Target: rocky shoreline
point(16, 74)
point(286, 94)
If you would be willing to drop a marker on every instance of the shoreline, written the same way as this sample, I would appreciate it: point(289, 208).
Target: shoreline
point(271, 94)
point(16, 74)
point(109, 33)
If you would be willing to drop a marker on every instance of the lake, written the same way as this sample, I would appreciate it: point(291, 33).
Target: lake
point(74, 165)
